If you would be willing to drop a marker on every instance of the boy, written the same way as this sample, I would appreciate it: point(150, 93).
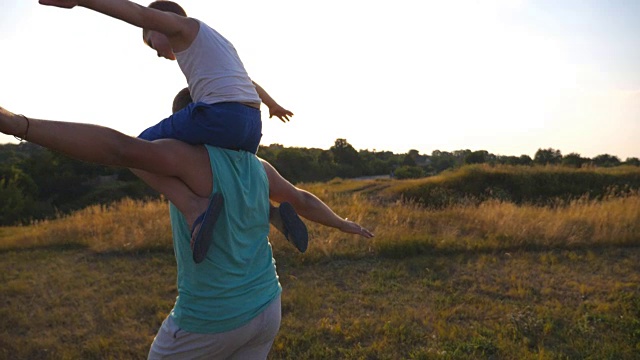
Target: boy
point(226, 107)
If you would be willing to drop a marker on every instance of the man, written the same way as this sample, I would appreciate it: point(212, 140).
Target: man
point(228, 306)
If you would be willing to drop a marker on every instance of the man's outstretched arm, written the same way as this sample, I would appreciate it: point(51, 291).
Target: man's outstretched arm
point(308, 205)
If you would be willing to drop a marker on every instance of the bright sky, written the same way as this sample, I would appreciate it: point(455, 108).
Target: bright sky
point(506, 76)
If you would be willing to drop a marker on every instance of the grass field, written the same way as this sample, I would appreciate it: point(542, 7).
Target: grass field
point(492, 280)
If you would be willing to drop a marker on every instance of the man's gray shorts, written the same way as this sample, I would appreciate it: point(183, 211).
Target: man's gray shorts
point(250, 341)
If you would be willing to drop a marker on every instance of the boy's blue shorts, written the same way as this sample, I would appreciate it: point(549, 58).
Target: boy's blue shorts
point(227, 125)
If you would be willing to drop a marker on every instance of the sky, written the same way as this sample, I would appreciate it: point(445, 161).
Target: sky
point(506, 76)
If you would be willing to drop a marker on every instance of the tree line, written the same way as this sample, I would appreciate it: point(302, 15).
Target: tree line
point(36, 183)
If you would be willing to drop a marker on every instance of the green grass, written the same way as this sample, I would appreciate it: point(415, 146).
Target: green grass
point(493, 280)
point(61, 303)
point(71, 303)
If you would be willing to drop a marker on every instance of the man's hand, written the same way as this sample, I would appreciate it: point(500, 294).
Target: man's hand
point(282, 113)
point(66, 4)
point(353, 228)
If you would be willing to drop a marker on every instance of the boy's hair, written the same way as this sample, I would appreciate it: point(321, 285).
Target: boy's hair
point(182, 99)
point(168, 6)
point(164, 5)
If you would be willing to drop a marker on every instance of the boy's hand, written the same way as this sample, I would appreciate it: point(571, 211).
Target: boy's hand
point(282, 113)
point(67, 4)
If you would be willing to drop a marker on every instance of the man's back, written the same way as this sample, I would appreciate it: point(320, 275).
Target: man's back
point(237, 280)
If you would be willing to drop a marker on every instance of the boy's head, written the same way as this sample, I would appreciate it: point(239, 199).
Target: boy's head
point(182, 99)
point(158, 41)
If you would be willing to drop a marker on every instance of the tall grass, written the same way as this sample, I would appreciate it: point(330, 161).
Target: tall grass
point(127, 225)
point(405, 228)
point(402, 228)
point(496, 225)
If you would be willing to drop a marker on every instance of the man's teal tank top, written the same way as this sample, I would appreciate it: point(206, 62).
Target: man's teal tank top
point(238, 279)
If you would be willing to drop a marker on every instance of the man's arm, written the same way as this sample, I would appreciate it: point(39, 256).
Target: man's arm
point(274, 109)
point(308, 205)
point(177, 28)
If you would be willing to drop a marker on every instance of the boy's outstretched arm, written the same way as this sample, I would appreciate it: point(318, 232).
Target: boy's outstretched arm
point(180, 30)
point(274, 109)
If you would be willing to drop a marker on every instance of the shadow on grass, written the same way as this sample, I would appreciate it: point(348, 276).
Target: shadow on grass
point(135, 253)
point(373, 187)
point(141, 252)
point(48, 247)
point(411, 249)
point(400, 251)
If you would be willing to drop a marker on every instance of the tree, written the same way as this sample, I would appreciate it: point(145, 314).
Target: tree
point(296, 165)
point(634, 161)
point(442, 160)
point(606, 160)
point(408, 161)
point(515, 160)
point(476, 157)
point(408, 172)
point(17, 192)
point(347, 159)
point(344, 153)
point(573, 160)
point(547, 157)
point(525, 160)
point(414, 154)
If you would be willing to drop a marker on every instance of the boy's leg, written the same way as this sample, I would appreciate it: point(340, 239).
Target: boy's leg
point(202, 229)
point(227, 125)
point(285, 219)
point(200, 212)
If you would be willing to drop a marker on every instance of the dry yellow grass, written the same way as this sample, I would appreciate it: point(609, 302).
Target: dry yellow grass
point(489, 225)
point(125, 225)
point(475, 292)
point(137, 225)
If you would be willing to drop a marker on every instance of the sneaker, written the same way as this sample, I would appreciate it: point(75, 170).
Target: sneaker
point(293, 229)
point(201, 240)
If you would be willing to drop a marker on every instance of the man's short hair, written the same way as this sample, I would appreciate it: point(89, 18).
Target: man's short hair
point(182, 99)
point(168, 6)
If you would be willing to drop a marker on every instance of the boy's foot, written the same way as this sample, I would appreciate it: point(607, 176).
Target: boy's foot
point(293, 229)
point(202, 229)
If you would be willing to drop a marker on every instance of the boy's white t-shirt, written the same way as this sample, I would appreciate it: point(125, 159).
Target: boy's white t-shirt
point(214, 70)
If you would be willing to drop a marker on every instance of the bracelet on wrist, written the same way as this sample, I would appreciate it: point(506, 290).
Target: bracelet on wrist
point(26, 132)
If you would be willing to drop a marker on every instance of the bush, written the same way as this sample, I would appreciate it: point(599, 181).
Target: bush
point(409, 172)
point(541, 185)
